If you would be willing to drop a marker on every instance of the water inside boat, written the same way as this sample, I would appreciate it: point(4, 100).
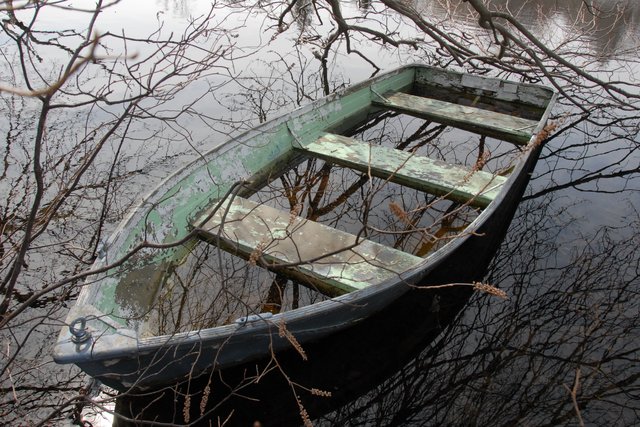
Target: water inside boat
point(214, 287)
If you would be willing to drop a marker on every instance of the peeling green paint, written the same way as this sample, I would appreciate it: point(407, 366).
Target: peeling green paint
point(490, 123)
point(477, 188)
point(168, 218)
point(122, 294)
point(323, 257)
point(165, 215)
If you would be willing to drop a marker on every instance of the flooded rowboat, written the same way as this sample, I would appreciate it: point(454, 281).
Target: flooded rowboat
point(305, 226)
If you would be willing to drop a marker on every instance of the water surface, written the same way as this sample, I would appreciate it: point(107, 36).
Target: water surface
point(563, 349)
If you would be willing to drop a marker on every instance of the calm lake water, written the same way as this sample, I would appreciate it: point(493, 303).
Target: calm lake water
point(564, 349)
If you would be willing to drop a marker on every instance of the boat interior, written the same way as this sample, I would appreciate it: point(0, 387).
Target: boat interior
point(362, 203)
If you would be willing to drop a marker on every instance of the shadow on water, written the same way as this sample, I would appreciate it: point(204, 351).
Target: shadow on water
point(345, 366)
point(277, 391)
point(564, 347)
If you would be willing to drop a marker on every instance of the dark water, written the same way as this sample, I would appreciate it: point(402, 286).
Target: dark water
point(562, 350)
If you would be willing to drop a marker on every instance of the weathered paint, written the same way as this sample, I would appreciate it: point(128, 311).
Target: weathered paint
point(497, 89)
point(169, 220)
point(325, 258)
point(477, 188)
point(485, 122)
point(121, 356)
point(166, 217)
point(308, 127)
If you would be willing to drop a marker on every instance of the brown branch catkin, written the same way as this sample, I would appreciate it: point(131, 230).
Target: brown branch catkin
point(306, 420)
point(293, 214)
point(490, 289)
point(187, 408)
point(545, 133)
point(256, 254)
point(318, 392)
point(283, 332)
point(205, 398)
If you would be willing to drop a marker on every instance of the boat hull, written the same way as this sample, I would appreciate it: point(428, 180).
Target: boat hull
point(118, 356)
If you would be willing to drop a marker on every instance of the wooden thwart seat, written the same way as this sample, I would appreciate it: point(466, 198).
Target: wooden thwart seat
point(490, 123)
point(477, 188)
point(329, 260)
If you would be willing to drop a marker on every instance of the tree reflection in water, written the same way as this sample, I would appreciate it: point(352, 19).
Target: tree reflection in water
point(564, 346)
point(562, 350)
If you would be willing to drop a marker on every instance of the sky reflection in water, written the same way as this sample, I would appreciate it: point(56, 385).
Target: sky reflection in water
point(569, 261)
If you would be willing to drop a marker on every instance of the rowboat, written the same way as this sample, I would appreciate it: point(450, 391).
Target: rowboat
point(306, 226)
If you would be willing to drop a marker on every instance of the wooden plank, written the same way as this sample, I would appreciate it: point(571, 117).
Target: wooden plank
point(433, 176)
point(330, 260)
point(477, 120)
point(517, 93)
